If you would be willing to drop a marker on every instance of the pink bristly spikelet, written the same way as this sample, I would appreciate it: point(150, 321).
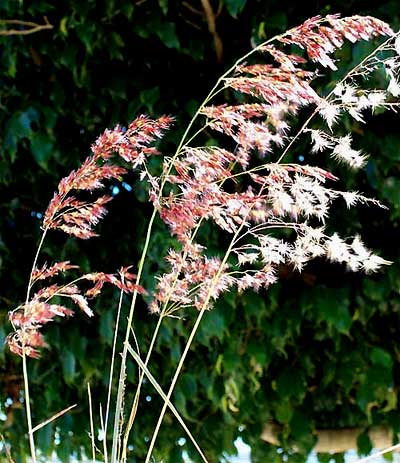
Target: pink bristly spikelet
point(248, 200)
point(77, 217)
point(322, 36)
point(189, 282)
point(29, 318)
point(48, 272)
point(124, 282)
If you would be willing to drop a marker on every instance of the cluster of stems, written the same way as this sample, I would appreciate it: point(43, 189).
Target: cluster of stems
point(245, 186)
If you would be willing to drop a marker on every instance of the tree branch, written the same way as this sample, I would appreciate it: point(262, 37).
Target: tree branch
point(336, 440)
point(31, 26)
point(210, 16)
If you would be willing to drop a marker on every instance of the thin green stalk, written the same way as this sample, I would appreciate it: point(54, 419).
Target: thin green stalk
point(28, 408)
point(191, 337)
point(39, 248)
point(215, 90)
point(132, 414)
point(170, 404)
point(24, 360)
point(103, 429)
point(91, 424)
point(174, 380)
point(111, 374)
point(197, 323)
point(189, 343)
point(121, 385)
point(198, 132)
point(135, 404)
point(147, 359)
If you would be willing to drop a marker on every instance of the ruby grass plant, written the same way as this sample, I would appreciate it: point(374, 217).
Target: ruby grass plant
point(246, 186)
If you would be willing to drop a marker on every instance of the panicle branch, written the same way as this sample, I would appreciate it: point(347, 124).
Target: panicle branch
point(320, 37)
point(228, 187)
point(28, 319)
point(48, 272)
point(76, 217)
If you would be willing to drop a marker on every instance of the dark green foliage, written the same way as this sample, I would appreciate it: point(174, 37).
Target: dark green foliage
point(319, 350)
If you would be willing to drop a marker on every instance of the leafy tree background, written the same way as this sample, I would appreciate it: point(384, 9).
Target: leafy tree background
point(319, 350)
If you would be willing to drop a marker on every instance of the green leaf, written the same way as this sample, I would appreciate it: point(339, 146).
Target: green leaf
point(176, 351)
point(347, 373)
point(324, 457)
point(379, 376)
point(379, 356)
point(376, 291)
point(291, 383)
point(365, 398)
point(50, 116)
point(127, 9)
point(116, 40)
point(332, 306)
point(391, 401)
point(167, 34)
point(107, 327)
point(254, 305)
point(260, 34)
point(234, 7)
point(188, 385)
point(68, 57)
point(85, 34)
point(45, 438)
point(277, 22)
point(230, 361)
point(391, 147)
point(11, 64)
point(231, 397)
point(19, 126)
point(259, 351)
point(68, 363)
point(116, 46)
point(5, 172)
point(42, 149)
point(180, 402)
point(149, 97)
point(3, 335)
point(164, 6)
point(394, 421)
point(284, 411)
point(21, 122)
point(176, 454)
point(213, 325)
point(391, 191)
point(364, 444)
point(63, 26)
point(300, 425)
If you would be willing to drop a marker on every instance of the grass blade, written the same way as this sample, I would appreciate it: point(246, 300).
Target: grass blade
point(54, 417)
point(91, 424)
point(158, 388)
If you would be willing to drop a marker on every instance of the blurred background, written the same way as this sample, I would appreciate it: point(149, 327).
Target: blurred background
point(319, 352)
